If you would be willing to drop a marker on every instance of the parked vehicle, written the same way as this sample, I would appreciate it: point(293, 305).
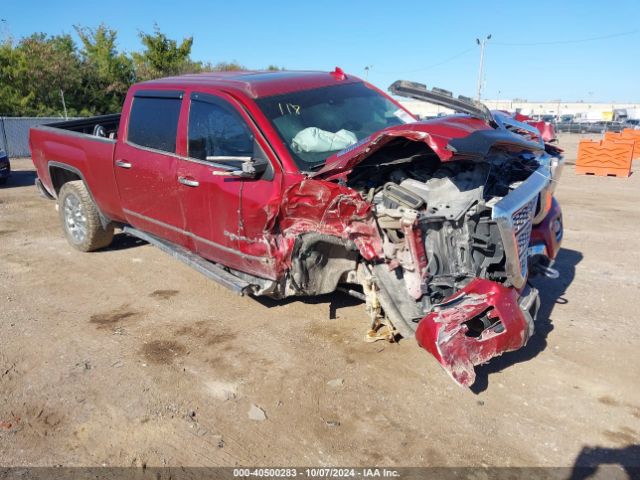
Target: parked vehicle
point(543, 123)
point(300, 183)
point(589, 127)
point(5, 167)
point(571, 127)
point(601, 127)
point(631, 123)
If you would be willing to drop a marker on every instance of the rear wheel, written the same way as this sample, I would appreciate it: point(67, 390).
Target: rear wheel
point(81, 219)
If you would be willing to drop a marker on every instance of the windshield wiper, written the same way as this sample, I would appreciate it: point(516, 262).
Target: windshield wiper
point(315, 167)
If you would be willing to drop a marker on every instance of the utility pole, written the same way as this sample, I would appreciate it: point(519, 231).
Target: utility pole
point(482, 43)
point(64, 105)
point(4, 30)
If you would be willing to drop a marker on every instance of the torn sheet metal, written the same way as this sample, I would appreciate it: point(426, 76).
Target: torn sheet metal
point(464, 137)
point(481, 321)
point(329, 208)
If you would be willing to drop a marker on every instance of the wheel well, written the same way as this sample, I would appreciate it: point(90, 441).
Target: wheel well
point(60, 176)
point(320, 261)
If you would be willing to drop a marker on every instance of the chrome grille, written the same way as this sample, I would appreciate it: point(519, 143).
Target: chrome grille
point(522, 221)
point(514, 216)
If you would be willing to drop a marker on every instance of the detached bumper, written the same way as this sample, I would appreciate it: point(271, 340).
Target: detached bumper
point(481, 321)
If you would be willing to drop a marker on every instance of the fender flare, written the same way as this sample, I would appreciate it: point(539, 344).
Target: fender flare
point(104, 220)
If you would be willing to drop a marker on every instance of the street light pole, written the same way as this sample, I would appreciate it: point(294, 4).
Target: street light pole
point(482, 43)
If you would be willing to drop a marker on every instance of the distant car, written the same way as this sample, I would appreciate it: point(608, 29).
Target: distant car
point(632, 123)
point(572, 127)
point(5, 167)
point(601, 127)
point(589, 127)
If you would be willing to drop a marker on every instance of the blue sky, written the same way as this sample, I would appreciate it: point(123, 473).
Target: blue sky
point(540, 50)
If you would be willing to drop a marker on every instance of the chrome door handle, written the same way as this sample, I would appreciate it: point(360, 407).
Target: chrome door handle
point(189, 182)
point(123, 164)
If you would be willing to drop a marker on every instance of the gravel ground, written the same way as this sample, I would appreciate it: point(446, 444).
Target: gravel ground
point(127, 357)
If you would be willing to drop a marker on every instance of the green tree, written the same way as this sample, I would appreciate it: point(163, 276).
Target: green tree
point(228, 67)
point(163, 56)
point(36, 72)
point(107, 73)
point(9, 91)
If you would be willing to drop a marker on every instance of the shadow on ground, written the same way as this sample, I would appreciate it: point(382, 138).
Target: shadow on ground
point(551, 293)
point(336, 300)
point(20, 178)
point(591, 459)
point(122, 241)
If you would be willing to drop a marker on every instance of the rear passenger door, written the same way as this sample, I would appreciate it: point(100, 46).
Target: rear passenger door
point(145, 165)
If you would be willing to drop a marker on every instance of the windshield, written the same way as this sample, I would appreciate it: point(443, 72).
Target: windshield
point(315, 124)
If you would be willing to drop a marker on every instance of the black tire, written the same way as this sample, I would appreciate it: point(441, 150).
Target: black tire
point(3, 180)
point(80, 218)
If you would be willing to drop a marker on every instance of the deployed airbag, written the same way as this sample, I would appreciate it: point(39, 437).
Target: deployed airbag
point(313, 139)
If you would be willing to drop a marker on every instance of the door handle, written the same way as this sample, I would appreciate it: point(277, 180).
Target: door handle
point(189, 182)
point(123, 164)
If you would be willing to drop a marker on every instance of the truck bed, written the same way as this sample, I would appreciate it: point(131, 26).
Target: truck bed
point(84, 148)
point(91, 125)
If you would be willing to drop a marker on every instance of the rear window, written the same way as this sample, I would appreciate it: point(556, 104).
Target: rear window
point(153, 122)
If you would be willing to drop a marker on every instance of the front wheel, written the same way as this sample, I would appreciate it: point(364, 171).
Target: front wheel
point(80, 218)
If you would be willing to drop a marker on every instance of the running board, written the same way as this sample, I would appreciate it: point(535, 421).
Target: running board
point(208, 269)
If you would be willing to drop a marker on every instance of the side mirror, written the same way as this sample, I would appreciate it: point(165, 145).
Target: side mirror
point(253, 166)
point(249, 168)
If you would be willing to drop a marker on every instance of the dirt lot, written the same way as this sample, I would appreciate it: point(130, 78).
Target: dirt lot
point(128, 357)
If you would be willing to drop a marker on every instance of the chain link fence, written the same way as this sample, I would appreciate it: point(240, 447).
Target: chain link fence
point(14, 133)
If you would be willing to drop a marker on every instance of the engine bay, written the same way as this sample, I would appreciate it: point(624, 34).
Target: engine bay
point(436, 218)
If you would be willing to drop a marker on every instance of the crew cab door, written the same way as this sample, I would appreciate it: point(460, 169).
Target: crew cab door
point(145, 165)
point(226, 216)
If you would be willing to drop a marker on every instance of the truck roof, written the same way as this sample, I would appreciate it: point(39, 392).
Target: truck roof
point(256, 83)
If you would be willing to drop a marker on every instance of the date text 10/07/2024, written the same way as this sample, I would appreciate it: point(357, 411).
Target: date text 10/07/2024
point(315, 473)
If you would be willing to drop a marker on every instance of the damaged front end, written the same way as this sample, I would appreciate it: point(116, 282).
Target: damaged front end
point(458, 239)
point(440, 224)
point(461, 225)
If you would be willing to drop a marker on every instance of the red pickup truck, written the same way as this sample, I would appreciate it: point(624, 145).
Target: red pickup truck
point(302, 183)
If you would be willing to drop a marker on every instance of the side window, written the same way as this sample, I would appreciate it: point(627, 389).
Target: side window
point(153, 121)
point(217, 130)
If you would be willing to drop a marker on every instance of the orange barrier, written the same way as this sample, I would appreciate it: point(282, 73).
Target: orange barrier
point(607, 158)
point(631, 134)
point(612, 136)
point(626, 136)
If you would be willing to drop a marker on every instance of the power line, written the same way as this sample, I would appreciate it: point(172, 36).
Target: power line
point(563, 42)
point(429, 67)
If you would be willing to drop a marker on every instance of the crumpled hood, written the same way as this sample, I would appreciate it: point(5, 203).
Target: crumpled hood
point(457, 135)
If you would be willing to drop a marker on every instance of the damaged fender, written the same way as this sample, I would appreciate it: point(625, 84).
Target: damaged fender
point(481, 321)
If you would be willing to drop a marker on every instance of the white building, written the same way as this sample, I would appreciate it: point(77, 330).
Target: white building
point(584, 110)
